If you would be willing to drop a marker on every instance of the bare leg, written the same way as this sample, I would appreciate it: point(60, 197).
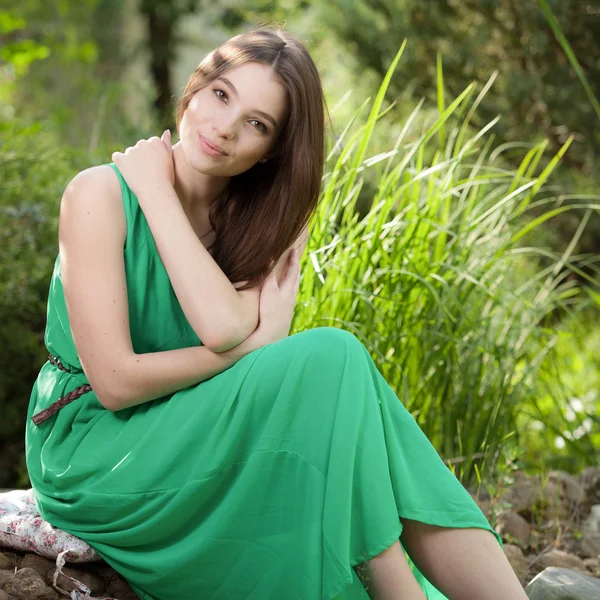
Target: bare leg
point(462, 563)
point(387, 576)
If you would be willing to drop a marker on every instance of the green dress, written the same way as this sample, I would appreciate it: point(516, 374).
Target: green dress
point(268, 481)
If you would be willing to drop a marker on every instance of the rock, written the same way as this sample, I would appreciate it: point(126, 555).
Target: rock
point(26, 584)
point(572, 490)
point(92, 581)
point(528, 497)
point(39, 564)
point(7, 561)
point(589, 545)
point(517, 561)
point(591, 564)
point(559, 558)
point(120, 589)
point(589, 479)
point(514, 527)
point(485, 507)
point(563, 584)
point(553, 502)
point(592, 523)
point(4, 577)
point(522, 494)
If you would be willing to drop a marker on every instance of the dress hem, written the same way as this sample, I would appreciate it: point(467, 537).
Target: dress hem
point(332, 593)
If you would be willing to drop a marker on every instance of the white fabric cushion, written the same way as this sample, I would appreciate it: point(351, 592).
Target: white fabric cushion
point(23, 528)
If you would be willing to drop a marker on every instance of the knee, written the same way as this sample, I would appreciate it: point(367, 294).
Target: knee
point(324, 344)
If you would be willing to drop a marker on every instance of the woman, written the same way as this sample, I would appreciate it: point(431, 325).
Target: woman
point(178, 428)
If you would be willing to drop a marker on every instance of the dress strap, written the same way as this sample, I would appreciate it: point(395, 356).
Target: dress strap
point(61, 402)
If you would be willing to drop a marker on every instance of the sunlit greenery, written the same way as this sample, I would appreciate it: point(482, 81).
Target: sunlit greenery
point(458, 224)
point(436, 280)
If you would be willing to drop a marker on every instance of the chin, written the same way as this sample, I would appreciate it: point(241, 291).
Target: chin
point(197, 161)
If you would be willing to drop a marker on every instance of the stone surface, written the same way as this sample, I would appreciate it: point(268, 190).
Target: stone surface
point(6, 561)
point(527, 497)
point(559, 558)
point(514, 527)
point(94, 583)
point(563, 584)
point(593, 566)
point(571, 488)
point(485, 507)
point(592, 523)
point(590, 480)
point(517, 561)
point(589, 545)
point(120, 589)
point(39, 564)
point(4, 577)
point(26, 584)
point(97, 576)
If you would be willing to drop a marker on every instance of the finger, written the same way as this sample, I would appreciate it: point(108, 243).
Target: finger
point(165, 138)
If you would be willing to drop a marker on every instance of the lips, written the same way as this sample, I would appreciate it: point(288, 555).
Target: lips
point(213, 146)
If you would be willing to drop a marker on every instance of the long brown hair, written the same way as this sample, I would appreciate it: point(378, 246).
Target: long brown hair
point(263, 210)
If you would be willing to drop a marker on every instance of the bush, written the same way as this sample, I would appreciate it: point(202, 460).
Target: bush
point(34, 171)
point(435, 279)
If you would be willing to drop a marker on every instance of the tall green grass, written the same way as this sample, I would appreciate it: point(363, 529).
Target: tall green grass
point(435, 278)
point(564, 44)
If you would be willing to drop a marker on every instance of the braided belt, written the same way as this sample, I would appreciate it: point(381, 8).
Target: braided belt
point(67, 399)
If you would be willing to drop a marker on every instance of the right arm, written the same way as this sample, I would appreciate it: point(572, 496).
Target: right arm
point(221, 316)
point(92, 230)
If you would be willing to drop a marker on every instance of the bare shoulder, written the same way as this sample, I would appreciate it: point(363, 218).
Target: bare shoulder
point(95, 181)
point(91, 236)
point(93, 198)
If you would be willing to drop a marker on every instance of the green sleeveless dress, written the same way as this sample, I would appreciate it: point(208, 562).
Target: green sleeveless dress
point(270, 480)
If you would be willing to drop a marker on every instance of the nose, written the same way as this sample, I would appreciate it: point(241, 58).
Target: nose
point(223, 128)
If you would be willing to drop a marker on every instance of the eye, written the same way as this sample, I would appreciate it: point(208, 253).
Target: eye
point(260, 126)
point(217, 91)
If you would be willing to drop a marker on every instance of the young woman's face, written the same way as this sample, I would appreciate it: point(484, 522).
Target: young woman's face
point(241, 113)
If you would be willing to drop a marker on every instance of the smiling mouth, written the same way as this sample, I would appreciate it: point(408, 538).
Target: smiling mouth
point(212, 149)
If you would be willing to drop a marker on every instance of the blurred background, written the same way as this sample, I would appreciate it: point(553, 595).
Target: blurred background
point(458, 234)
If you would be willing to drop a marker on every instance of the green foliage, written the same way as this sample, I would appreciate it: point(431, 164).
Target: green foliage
point(61, 129)
point(63, 64)
point(568, 50)
point(543, 56)
point(536, 90)
point(433, 281)
point(34, 173)
point(427, 243)
point(570, 379)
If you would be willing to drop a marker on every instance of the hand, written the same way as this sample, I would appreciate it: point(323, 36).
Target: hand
point(278, 296)
point(148, 165)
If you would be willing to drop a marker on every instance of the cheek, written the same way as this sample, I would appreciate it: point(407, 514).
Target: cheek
point(194, 113)
point(252, 146)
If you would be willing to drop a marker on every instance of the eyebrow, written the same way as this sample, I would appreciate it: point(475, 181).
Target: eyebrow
point(258, 112)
